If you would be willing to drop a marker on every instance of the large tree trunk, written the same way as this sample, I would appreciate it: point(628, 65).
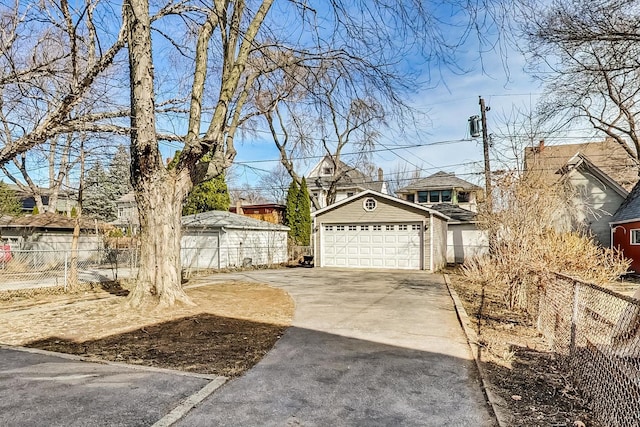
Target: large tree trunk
point(158, 192)
point(159, 275)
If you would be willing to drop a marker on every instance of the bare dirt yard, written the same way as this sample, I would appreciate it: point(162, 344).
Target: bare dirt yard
point(229, 330)
point(526, 378)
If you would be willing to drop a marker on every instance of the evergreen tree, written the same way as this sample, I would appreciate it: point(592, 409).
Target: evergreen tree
point(102, 187)
point(211, 195)
point(304, 215)
point(9, 202)
point(291, 213)
point(208, 196)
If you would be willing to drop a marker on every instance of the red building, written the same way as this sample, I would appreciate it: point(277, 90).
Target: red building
point(625, 228)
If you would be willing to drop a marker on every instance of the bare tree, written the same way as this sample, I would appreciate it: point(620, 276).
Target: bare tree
point(227, 50)
point(402, 175)
point(587, 54)
point(274, 184)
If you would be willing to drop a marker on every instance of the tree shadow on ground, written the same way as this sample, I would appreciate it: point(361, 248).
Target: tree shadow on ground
point(204, 343)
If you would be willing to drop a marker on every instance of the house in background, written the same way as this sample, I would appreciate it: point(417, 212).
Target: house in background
point(598, 175)
point(348, 181)
point(127, 211)
point(65, 203)
point(443, 187)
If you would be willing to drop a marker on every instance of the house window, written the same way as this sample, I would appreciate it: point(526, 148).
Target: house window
point(635, 237)
point(422, 196)
point(369, 204)
point(463, 197)
point(434, 197)
point(349, 194)
point(410, 197)
point(327, 171)
point(445, 195)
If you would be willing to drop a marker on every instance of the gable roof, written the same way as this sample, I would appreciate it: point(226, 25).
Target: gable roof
point(224, 219)
point(381, 196)
point(439, 181)
point(629, 210)
point(456, 213)
point(608, 155)
point(580, 162)
point(351, 177)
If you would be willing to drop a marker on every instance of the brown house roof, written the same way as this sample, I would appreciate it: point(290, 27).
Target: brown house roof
point(607, 155)
point(50, 221)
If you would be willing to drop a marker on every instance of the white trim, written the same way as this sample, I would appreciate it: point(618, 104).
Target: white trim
point(631, 237)
point(431, 264)
point(381, 196)
point(626, 221)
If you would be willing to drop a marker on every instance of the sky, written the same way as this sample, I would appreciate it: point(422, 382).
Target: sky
point(443, 142)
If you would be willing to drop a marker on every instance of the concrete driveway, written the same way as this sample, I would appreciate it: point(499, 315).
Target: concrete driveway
point(366, 348)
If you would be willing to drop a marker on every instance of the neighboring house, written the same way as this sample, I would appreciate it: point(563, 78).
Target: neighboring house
point(349, 181)
point(270, 212)
point(598, 176)
point(50, 233)
point(611, 158)
point(464, 239)
point(625, 228)
point(127, 211)
point(65, 203)
point(218, 239)
point(375, 230)
point(443, 187)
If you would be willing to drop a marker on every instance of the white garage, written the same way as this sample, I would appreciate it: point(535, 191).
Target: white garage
point(374, 230)
point(220, 239)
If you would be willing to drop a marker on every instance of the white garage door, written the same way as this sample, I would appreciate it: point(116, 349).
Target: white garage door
point(372, 245)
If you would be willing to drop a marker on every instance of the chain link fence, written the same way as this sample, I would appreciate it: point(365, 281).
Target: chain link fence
point(42, 268)
point(596, 333)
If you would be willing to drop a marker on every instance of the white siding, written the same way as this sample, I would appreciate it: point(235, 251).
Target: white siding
point(465, 241)
point(200, 251)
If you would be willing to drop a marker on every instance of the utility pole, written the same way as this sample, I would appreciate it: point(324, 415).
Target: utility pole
point(485, 146)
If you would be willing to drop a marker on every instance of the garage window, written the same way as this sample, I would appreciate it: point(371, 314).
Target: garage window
point(370, 204)
point(390, 227)
point(339, 227)
point(353, 228)
point(415, 227)
point(364, 228)
point(328, 227)
point(402, 227)
point(377, 227)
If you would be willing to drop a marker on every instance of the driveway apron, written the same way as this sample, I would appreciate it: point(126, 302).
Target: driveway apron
point(366, 348)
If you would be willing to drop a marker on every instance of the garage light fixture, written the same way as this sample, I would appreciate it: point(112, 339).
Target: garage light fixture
point(369, 204)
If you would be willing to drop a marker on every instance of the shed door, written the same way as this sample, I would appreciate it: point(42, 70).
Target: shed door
point(372, 245)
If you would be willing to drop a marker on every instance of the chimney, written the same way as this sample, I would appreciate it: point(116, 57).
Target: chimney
point(380, 174)
point(541, 145)
point(239, 207)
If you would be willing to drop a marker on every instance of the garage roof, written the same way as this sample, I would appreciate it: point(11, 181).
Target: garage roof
point(369, 193)
point(224, 219)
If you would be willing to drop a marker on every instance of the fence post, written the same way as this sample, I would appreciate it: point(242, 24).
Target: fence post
point(66, 268)
point(574, 319)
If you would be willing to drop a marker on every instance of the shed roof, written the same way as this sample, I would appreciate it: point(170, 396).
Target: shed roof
point(439, 181)
point(224, 219)
point(50, 221)
point(456, 213)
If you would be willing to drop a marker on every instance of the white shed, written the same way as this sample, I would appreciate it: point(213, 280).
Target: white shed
point(220, 239)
